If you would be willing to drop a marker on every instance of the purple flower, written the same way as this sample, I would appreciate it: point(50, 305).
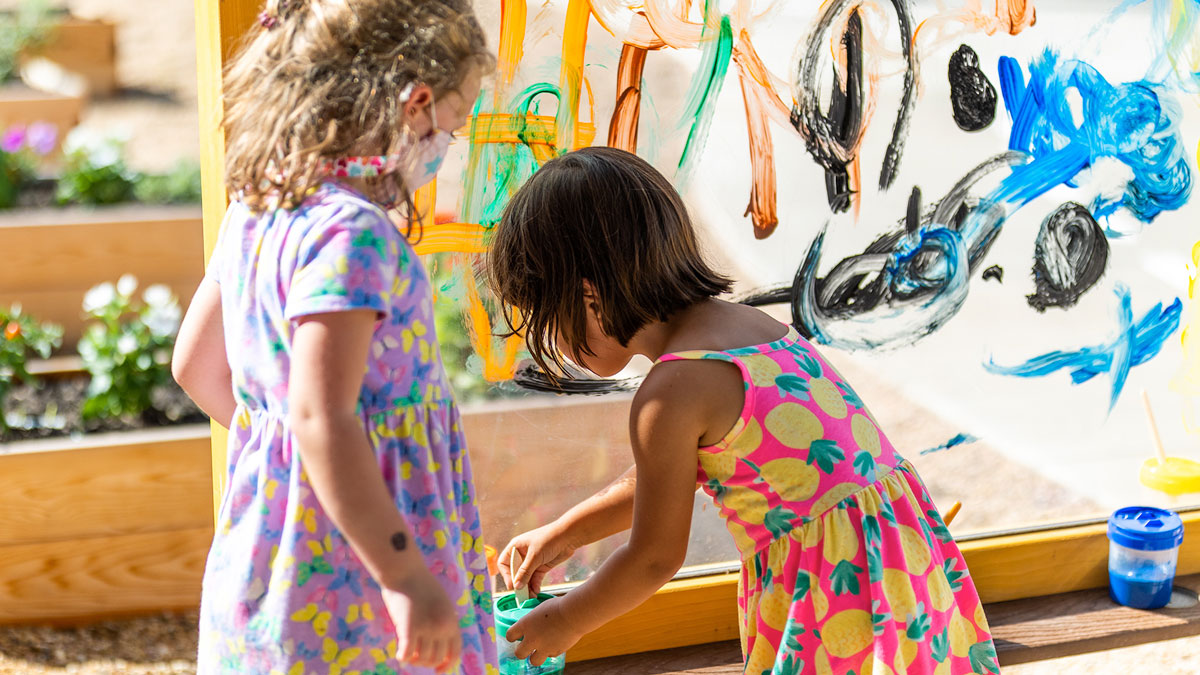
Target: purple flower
point(42, 137)
point(14, 138)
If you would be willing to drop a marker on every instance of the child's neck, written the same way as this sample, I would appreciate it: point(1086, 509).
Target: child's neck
point(711, 324)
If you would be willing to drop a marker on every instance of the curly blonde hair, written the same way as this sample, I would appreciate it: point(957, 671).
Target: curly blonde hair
point(322, 79)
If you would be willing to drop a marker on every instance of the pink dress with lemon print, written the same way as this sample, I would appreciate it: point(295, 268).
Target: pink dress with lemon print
point(846, 563)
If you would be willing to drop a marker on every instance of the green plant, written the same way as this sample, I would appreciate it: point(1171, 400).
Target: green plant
point(181, 185)
point(25, 28)
point(22, 335)
point(127, 349)
point(95, 171)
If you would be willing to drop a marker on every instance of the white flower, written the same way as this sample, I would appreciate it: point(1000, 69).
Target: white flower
point(100, 149)
point(158, 295)
point(126, 285)
point(99, 297)
point(163, 320)
point(127, 344)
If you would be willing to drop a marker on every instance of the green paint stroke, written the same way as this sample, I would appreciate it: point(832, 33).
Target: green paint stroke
point(702, 95)
point(504, 166)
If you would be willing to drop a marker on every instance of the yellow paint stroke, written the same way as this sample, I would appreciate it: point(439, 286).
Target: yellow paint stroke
point(452, 238)
point(512, 48)
point(570, 79)
point(495, 368)
point(425, 201)
point(539, 132)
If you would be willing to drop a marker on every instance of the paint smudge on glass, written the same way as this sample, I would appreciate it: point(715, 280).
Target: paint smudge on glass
point(1135, 343)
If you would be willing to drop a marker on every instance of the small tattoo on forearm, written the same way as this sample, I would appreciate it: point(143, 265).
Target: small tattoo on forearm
point(399, 541)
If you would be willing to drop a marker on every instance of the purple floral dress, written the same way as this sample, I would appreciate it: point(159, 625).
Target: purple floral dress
point(283, 590)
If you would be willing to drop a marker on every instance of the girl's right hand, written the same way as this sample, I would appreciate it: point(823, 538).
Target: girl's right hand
point(541, 550)
point(426, 621)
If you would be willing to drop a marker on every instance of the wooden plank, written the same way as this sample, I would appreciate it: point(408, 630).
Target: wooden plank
point(1083, 621)
point(22, 105)
point(684, 612)
point(716, 658)
point(127, 483)
point(1054, 561)
point(103, 576)
point(56, 249)
point(86, 48)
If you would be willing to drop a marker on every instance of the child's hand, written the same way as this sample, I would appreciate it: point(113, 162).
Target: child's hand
point(543, 633)
point(427, 632)
point(541, 550)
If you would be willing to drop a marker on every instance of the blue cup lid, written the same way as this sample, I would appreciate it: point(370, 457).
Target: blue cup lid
point(1145, 528)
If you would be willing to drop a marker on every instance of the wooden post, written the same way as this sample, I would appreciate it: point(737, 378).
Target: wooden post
point(220, 25)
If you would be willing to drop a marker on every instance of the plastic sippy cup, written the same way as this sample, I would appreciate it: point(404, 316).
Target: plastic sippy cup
point(507, 614)
point(1143, 546)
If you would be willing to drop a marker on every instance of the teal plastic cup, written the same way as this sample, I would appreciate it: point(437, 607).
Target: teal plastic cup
point(508, 612)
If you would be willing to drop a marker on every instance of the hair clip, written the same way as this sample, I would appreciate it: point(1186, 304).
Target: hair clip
point(267, 20)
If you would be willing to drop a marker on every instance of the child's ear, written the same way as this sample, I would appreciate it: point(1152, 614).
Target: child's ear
point(589, 296)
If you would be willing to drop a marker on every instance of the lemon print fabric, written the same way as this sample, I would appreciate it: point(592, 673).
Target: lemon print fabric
point(847, 566)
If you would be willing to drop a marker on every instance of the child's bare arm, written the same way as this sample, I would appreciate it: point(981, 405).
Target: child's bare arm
point(199, 363)
point(605, 513)
point(329, 352)
point(670, 414)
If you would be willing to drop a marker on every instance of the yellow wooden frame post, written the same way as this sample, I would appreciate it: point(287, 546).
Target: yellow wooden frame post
point(220, 25)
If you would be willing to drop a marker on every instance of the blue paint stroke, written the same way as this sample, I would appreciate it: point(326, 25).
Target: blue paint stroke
point(1136, 123)
point(959, 439)
point(1134, 345)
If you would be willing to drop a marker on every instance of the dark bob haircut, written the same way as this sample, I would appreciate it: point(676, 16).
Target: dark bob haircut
point(607, 216)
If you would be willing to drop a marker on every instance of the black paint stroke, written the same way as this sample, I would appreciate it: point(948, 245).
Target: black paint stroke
point(908, 101)
point(994, 272)
point(762, 297)
point(831, 137)
point(905, 284)
point(1069, 257)
point(533, 378)
point(972, 96)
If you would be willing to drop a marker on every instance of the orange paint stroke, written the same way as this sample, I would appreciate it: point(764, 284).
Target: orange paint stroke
point(495, 368)
point(638, 33)
point(672, 25)
point(752, 72)
point(512, 47)
point(949, 25)
point(451, 238)
point(570, 77)
point(1016, 15)
point(623, 128)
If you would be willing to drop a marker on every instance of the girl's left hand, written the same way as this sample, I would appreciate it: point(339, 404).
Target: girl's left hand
point(543, 633)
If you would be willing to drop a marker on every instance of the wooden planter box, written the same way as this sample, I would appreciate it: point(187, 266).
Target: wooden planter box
point(53, 256)
point(85, 48)
point(20, 104)
point(117, 524)
point(108, 525)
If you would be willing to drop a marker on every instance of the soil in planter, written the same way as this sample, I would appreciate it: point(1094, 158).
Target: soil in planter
point(54, 408)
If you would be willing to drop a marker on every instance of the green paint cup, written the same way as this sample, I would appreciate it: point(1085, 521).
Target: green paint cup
point(508, 612)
